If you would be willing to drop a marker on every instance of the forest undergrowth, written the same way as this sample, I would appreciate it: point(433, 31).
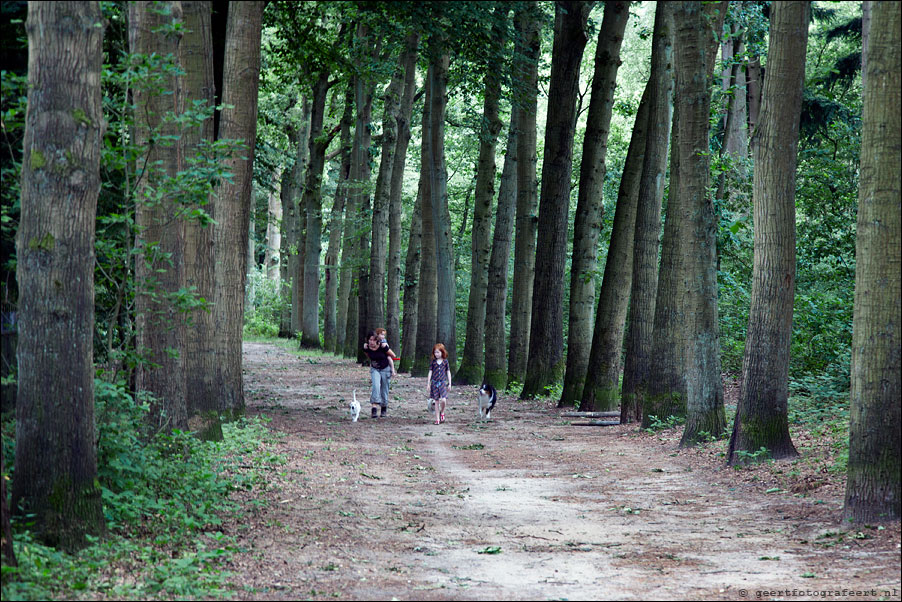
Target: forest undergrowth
point(165, 500)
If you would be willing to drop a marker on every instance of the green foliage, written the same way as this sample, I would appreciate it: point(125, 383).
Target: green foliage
point(656, 424)
point(747, 457)
point(826, 201)
point(46, 574)
point(13, 101)
point(164, 498)
point(261, 315)
point(819, 402)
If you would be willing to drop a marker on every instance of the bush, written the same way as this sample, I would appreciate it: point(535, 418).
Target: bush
point(164, 495)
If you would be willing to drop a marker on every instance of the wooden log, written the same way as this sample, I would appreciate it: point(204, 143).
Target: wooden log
point(591, 414)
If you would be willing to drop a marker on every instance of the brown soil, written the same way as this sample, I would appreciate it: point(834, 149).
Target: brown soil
point(528, 506)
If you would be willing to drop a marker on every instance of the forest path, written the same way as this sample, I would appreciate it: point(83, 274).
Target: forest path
point(525, 507)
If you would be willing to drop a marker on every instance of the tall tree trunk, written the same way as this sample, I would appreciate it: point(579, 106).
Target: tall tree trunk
point(196, 51)
point(298, 137)
point(637, 364)
point(753, 93)
point(872, 487)
point(312, 201)
point(673, 318)
point(273, 231)
point(55, 480)
point(736, 130)
point(546, 361)
point(344, 275)
point(666, 394)
point(331, 269)
point(694, 52)
point(411, 289)
point(496, 292)
point(528, 23)
point(762, 410)
point(393, 277)
point(602, 388)
point(297, 276)
point(426, 287)
point(360, 182)
point(160, 263)
point(240, 80)
point(590, 208)
point(471, 364)
point(446, 328)
point(382, 201)
point(734, 145)
point(249, 294)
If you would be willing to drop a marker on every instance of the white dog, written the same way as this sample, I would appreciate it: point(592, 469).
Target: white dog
point(430, 406)
point(354, 407)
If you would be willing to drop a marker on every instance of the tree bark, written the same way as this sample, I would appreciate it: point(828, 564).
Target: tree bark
point(291, 183)
point(358, 322)
point(426, 286)
point(546, 361)
point(55, 480)
point(240, 81)
point(496, 293)
point(393, 277)
point(736, 129)
point(872, 487)
point(674, 314)
point(528, 24)
point(312, 201)
point(297, 275)
point(590, 208)
point(345, 273)
point(446, 322)
point(160, 262)
point(762, 410)
point(273, 239)
point(694, 54)
point(382, 201)
point(471, 364)
point(411, 289)
point(335, 305)
point(753, 93)
point(602, 388)
point(196, 50)
point(637, 365)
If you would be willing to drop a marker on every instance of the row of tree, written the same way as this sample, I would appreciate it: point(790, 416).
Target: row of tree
point(187, 170)
point(188, 277)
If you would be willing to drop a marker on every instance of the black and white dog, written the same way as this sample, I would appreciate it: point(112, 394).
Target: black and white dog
point(488, 396)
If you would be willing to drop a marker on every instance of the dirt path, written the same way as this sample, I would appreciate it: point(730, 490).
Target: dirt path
point(526, 507)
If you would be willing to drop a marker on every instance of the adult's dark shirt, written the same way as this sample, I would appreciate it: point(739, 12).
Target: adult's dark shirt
point(378, 357)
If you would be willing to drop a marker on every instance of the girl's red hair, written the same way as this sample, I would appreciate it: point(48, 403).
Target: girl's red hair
point(442, 348)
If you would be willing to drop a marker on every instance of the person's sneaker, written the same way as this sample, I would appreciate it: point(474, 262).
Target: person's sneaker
point(383, 412)
point(375, 413)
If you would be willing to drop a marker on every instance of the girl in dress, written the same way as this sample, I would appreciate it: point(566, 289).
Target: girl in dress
point(439, 380)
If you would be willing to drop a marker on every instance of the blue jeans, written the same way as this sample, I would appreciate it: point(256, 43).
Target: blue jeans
point(381, 379)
